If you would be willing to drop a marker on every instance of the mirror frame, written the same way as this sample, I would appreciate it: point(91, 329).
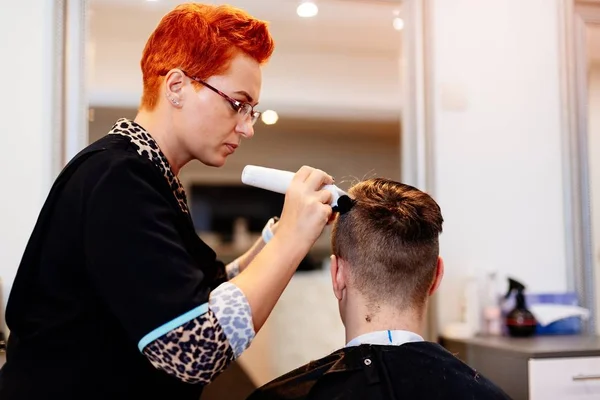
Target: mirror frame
point(418, 162)
point(576, 15)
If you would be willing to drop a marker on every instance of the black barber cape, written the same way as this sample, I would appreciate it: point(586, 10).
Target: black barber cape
point(111, 258)
point(419, 370)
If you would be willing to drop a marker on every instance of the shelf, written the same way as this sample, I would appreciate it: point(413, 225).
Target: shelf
point(227, 252)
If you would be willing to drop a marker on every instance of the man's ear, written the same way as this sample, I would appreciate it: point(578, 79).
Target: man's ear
point(174, 82)
point(439, 274)
point(338, 278)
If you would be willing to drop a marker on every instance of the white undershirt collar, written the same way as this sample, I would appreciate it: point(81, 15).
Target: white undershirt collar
point(387, 338)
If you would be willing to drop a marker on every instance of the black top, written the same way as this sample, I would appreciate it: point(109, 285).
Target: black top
point(418, 370)
point(112, 258)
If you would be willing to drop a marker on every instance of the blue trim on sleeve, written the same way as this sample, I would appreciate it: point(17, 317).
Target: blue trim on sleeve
point(169, 326)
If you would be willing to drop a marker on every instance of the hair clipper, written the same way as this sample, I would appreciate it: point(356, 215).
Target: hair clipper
point(278, 181)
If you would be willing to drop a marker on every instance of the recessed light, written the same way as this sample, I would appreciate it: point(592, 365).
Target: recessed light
point(269, 117)
point(398, 23)
point(307, 9)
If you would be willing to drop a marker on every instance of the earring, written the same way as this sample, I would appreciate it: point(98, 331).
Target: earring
point(174, 101)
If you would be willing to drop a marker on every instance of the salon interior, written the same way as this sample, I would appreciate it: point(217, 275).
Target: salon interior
point(493, 107)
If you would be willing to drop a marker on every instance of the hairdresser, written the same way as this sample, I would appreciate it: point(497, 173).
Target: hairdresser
point(116, 297)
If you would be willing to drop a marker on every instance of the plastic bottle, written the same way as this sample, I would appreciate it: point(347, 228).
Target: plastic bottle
point(519, 321)
point(492, 313)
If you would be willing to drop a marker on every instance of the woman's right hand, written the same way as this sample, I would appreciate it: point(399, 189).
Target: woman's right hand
point(306, 210)
point(305, 213)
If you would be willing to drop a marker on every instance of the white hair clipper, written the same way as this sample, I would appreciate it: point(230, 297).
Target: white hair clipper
point(278, 181)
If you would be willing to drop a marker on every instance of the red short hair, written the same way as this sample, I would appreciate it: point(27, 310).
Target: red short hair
point(202, 40)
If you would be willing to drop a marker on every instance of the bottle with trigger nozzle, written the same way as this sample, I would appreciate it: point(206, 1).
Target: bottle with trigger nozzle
point(519, 321)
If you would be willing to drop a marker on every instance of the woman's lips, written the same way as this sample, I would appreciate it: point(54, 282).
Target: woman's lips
point(231, 147)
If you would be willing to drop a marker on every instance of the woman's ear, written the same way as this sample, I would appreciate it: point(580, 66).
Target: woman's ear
point(174, 81)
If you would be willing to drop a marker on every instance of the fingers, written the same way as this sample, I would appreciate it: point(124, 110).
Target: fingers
point(313, 178)
point(307, 208)
point(317, 179)
point(302, 174)
point(332, 217)
point(324, 196)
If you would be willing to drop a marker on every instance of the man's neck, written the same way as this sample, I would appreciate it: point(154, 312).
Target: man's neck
point(361, 318)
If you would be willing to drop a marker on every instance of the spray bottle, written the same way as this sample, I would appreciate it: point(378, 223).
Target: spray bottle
point(519, 321)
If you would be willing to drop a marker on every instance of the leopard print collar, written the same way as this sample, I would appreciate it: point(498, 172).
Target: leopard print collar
point(147, 147)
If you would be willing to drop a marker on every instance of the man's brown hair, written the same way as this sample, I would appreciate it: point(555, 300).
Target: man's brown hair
point(390, 241)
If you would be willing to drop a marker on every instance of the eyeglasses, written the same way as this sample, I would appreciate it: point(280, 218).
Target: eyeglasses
point(242, 108)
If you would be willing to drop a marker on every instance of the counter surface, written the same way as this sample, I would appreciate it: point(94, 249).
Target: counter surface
point(538, 346)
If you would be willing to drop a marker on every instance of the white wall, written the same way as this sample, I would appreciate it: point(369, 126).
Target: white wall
point(497, 143)
point(26, 111)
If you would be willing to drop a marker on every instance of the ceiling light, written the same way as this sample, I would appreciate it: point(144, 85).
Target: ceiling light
point(269, 117)
point(398, 23)
point(307, 9)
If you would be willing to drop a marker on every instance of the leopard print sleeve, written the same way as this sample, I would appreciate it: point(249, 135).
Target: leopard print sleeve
point(233, 269)
point(200, 349)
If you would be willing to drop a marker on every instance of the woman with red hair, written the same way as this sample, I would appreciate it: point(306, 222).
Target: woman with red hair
point(116, 296)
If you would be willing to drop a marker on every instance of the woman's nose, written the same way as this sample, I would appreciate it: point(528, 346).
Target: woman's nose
point(245, 128)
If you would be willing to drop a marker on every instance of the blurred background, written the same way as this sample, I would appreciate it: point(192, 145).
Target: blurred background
point(490, 106)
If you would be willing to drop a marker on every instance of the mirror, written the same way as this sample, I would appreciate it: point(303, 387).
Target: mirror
point(335, 82)
point(582, 60)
